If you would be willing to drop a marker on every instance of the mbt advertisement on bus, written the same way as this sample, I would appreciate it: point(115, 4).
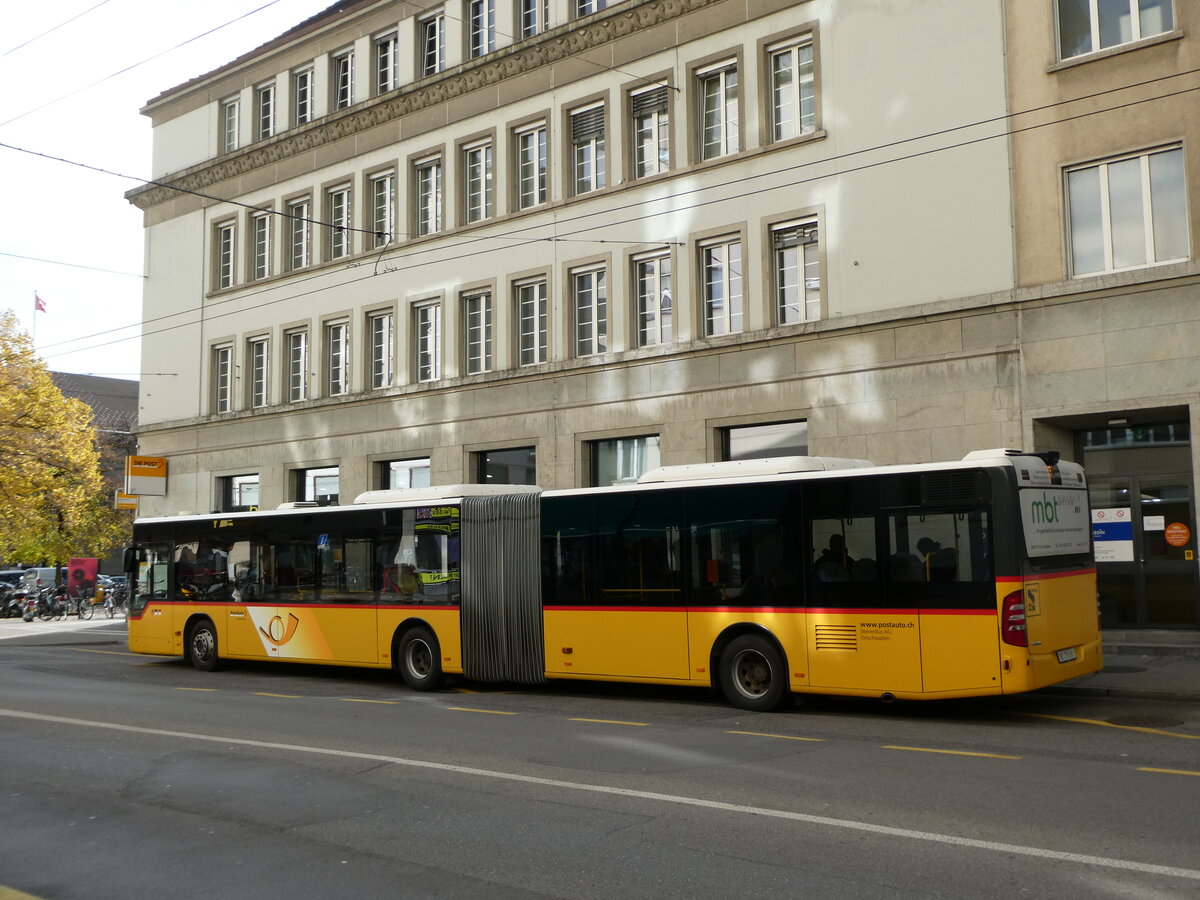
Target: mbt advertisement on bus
point(1056, 521)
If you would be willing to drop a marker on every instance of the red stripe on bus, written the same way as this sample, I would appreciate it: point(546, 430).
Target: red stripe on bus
point(1017, 579)
point(793, 610)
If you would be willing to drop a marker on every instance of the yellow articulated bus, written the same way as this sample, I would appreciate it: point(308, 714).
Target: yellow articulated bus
point(763, 579)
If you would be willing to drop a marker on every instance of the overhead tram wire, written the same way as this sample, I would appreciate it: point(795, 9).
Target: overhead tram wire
point(38, 37)
point(528, 241)
point(59, 262)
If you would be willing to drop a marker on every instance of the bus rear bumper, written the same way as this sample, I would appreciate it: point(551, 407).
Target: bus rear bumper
point(1024, 671)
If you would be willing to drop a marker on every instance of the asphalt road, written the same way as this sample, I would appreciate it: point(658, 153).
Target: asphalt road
point(128, 775)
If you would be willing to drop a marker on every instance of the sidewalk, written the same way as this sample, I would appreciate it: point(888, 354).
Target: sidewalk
point(1139, 676)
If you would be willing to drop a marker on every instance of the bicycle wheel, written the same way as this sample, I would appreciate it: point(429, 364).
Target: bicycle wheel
point(86, 610)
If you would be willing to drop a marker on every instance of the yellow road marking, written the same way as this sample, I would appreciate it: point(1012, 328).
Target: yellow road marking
point(463, 690)
point(1078, 721)
point(356, 700)
point(1168, 771)
point(490, 712)
point(110, 652)
point(612, 722)
point(949, 752)
point(282, 696)
point(210, 690)
point(782, 737)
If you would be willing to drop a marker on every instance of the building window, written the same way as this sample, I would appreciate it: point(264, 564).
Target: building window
point(226, 254)
point(428, 318)
point(797, 264)
point(337, 358)
point(258, 361)
point(652, 277)
point(229, 125)
point(383, 353)
point(239, 493)
point(532, 331)
point(299, 232)
point(651, 131)
point(721, 276)
point(302, 96)
point(343, 80)
point(337, 206)
point(297, 365)
point(587, 149)
point(481, 27)
point(317, 485)
point(535, 17)
point(428, 176)
point(517, 465)
point(264, 102)
point(383, 209)
point(477, 325)
point(260, 229)
point(793, 94)
point(718, 110)
point(1128, 212)
point(765, 441)
point(402, 474)
point(587, 7)
point(590, 300)
point(623, 460)
point(477, 174)
point(431, 35)
point(222, 379)
point(1088, 25)
point(387, 64)
point(531, 166)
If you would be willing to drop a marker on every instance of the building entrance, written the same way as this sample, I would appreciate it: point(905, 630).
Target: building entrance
point(1144, 525)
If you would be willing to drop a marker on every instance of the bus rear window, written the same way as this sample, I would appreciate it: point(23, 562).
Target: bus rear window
point(1055, 520)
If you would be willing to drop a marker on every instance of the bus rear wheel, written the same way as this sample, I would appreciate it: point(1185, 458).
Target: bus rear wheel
point(202, 646)
point(752, 674)
point(420, 659)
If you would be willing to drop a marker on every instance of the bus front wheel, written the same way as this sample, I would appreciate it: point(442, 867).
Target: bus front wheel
point(420, 659)
point(752, 674)
point(202, 646)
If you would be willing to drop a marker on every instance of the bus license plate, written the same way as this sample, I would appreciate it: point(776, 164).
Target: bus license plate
point(1067, 655)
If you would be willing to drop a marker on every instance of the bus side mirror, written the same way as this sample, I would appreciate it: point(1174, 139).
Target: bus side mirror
point(134, 557)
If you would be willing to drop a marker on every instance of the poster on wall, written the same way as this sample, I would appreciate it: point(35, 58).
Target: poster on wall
point(1112, 534)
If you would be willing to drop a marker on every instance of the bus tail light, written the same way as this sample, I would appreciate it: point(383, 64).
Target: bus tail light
point(1012, 620)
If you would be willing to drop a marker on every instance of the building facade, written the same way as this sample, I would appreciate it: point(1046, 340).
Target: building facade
point(561, 242)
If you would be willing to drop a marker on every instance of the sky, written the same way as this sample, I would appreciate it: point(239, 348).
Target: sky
point(68, 234)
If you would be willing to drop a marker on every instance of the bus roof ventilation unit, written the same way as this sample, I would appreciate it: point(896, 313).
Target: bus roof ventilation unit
point(1049, 457)
point(443, 492)
point(299, 504)
point(751, 468)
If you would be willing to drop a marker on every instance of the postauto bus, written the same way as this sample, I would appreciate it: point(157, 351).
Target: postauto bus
point(763, 579)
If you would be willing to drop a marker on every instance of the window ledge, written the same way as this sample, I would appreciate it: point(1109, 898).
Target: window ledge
point(1107, 52)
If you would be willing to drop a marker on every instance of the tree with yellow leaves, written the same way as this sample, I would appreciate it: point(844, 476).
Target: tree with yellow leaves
point(53, 501)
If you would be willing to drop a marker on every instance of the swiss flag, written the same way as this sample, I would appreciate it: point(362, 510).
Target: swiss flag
point(38, 303)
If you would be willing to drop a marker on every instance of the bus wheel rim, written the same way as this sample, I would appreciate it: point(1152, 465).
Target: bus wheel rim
point(202, 644)
point(751, 673)
point(419, 658)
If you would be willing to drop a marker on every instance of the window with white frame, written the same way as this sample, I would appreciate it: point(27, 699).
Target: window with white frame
point(531, 166)
point(297, 365)
point(383, 208)
point(428, 333)
point(226, 246)
point(431, 43)
point(481, 27)
point(652, 280)
point(477, 181)
point(428, 195)
point(258, 361)
point(337, 211)
point(651, 131)
point(532, 322)
point(587, 7)
point(317, 485)
point(1128, 212)
point(337, 358)
point(387, 64)
point(299, 233)
point(765, 441)
point(239, 493)
point(511, 465)
point(587, 148)
point(797, 263)
point(229, 125)
point(343, 79)
point(589, 296)
point(302, 96)
point(477, 327)
point(403, 474)
point(793, 89)
point(1085, 26)
point(382, 328)
point(718, 88)
point(260, 235)
point(534, 17)
point(264, 103)
point(623, 460)
point(222, 378)
point(721, 279)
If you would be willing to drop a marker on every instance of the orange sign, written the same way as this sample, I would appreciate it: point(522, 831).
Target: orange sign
point(1178, 534)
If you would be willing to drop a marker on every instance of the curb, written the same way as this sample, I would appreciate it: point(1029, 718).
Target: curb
point(1124, 693)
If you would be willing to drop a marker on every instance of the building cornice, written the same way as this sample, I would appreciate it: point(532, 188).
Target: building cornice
point(554, 46)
